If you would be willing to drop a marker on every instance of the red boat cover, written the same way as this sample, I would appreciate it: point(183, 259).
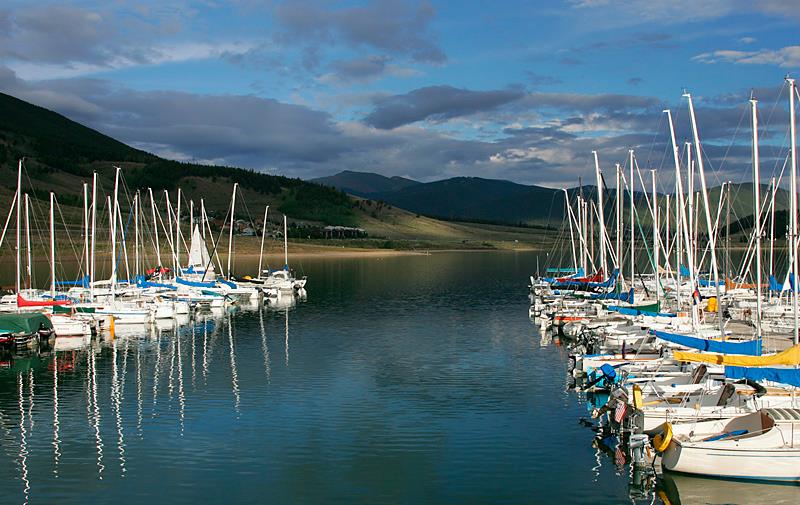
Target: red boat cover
point(21, 302)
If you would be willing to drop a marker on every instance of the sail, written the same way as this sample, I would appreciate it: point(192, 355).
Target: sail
point(790, 356)
point(198, 252)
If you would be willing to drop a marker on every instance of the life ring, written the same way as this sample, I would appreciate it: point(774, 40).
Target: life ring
point(662, 440)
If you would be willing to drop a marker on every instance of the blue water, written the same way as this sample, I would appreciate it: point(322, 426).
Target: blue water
point(400, 380)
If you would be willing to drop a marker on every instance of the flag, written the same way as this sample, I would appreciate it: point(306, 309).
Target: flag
point(619, 456)
point(619, 412)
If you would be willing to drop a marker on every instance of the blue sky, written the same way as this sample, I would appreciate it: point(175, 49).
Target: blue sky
point(433, 89)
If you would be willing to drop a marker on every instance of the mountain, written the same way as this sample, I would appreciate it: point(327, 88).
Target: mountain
point(365, 183)
point(474, 198)
point(499, 201)
point(60, 154)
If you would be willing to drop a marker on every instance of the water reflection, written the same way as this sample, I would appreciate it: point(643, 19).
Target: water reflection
point(92, 378)
point(679, 489)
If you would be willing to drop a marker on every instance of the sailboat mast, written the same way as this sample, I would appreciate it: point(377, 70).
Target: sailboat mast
point(28, 268)
point(263, 234)
point(52, 245)
point(711, 235)
point(94, 227)
point(793, 208)
point(655, 232)
point(114, 234)
point(285, 244)
point(757, 213)
point(680, 218)
point(230, 232)
point(633, 220)
point(168, 233)
point(136, 199)
point(155, 226)
point(203, 217)
point(618, 234)
point(667, 242)
point(19, 227)
point(601, 213)
point(178, 232)
point(772, 233)
point(86, 228)
point(571, 231)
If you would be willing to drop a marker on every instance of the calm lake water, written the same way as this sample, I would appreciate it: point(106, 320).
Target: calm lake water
point(400, 380)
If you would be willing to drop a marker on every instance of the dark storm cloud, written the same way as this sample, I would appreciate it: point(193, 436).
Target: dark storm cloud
point(28, 35)
point(436, 103)
point(553, 146)
point(359, 69)
point(397, 27)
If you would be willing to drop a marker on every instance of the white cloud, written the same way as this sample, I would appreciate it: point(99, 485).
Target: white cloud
point(155, 55)
point(788, 56)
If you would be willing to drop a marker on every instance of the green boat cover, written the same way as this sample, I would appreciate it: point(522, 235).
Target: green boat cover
point(68, 309)
point(24, 323)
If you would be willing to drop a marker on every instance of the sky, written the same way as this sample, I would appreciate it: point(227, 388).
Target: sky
point(517, 90)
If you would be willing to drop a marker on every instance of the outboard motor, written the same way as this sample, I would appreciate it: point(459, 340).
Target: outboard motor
point(638, 444)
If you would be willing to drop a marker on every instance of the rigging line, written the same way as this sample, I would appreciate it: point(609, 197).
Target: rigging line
point(78, 256)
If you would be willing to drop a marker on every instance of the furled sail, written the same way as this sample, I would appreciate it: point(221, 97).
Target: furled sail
point(790, 356)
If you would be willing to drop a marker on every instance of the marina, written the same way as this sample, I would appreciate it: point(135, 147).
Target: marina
point(399, 252)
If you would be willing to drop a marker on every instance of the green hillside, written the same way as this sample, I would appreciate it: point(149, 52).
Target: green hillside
point(365, 183)
point(61, 154)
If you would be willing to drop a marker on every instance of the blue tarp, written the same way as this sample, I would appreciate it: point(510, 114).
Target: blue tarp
point(748, 348)
point(578, 284)
point(196, 284)
point(774, 285)
point(630, 311)
point(549, 280)
point(705, 283)
point(228, 283)
point(789, 376)
point(82, 282)
point(624, 297)
point(144, 283)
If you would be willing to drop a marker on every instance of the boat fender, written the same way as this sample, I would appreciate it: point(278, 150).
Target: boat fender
point(662, 440)
point(638, 401)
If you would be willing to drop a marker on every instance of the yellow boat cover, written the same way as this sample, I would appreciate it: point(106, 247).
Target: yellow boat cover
point(790, 356)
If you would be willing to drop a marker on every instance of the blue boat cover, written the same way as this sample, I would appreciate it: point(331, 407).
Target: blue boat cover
point(624, 297)
point(684, 271)
point(84, 282)
point(630, 311)
point(747, 348)
point(579, 284)
point(706, 283)
point(195, 284)
point(774, 285)
point(228, 283)
point(144, 283)
point(789, 376)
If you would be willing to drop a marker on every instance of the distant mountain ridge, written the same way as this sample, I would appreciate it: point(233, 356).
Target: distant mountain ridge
point(467, 198)
point(365, 183)
point(502, 201)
